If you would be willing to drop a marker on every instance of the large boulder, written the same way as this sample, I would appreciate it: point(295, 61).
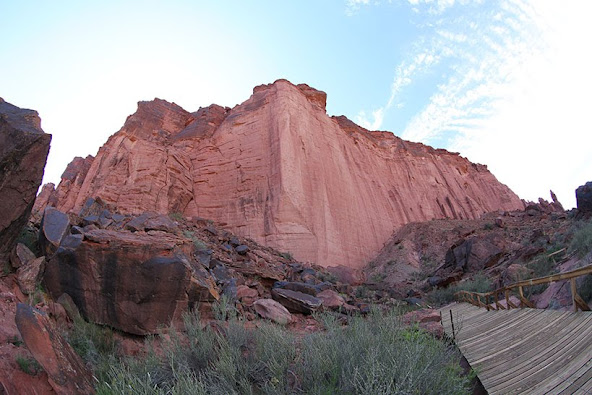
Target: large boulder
point(331, 299)
point(30, 275)
point(23, 152)
point(55, 226)
point(272, 310)
point(66, 370)
point(21, 254)
point(135, 282)
point(296, 302)
point(584, 198)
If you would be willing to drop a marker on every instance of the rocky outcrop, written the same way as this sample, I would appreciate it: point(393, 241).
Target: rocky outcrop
point(139, 273)
point(279, 170)
point(135, 282)
point(584, 198)
point(66, 370)
point(23, 152)
point(468, 256)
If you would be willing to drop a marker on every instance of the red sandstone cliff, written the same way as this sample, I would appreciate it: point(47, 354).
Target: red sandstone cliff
point(279, 170)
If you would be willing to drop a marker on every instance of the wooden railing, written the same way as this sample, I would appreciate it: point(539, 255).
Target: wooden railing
point(491, 299)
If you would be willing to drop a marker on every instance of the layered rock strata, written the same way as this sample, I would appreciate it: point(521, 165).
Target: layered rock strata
point(279, 170)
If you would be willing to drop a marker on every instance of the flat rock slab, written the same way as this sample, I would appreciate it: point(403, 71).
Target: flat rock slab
point(296, 302)
point(66, 370)
point(272, 310)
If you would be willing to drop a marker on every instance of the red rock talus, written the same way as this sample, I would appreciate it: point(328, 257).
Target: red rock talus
point(279, 170)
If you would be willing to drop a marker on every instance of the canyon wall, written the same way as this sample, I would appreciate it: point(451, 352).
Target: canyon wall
point(279, 170)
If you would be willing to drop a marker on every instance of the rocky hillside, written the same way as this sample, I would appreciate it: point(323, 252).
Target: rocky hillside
point(499, 248)
point(279, 170)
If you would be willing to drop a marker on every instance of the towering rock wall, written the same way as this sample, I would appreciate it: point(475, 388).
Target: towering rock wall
point(278, 169)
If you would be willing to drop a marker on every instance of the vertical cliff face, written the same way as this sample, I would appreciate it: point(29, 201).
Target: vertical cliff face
point(278, 169)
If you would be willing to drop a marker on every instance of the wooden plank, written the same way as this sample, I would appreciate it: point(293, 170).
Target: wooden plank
point(557, 364)
point(535, 351)
point(527, 362)
point(586, 388)
point(522, 348)
point(568, 379)
point(491, 347)
point(549, 362)
point(483, 336)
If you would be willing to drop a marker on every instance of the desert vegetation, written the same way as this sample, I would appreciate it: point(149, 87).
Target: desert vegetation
point(581, 243)
point(442, 296)
point(376, 354)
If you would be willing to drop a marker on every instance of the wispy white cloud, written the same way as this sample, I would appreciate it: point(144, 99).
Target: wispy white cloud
point(517, 80)
point(352, 6)
point(375, 123)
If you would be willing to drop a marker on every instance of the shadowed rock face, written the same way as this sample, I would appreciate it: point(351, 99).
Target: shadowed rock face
point(584, 198)
point(132, 282)
point(23, 152)
point(279, 170)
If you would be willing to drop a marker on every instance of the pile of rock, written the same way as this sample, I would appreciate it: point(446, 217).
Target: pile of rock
point(138, 273)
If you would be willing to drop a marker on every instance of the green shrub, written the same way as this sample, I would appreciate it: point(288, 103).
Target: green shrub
point(585, 288)
point(377, 355)
point(15, 341)
point(94, 343)
point(377, 277)
point(369, 356)
point(327, 276)
point(581, 243)
point(176, 216)
point(286, 255)
point(442, 296)
point(37, 296)
point(197, 243)
point(28, 365)
point(29, 236)
point(224, 309)
point(6, 268)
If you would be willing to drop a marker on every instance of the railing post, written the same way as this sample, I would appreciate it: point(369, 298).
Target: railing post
point(452, 325)
point(574, 294)
point(507, 295)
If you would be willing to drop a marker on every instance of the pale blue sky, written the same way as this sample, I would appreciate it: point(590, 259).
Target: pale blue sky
point(505, 83)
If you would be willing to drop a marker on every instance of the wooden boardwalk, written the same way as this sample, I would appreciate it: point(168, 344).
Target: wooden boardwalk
point(525, 351)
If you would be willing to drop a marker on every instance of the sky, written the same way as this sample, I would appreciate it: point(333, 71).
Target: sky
point(505, 83)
